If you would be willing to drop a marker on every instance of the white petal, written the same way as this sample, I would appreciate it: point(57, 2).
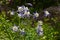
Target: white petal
point(15, 28)
point(20, 9)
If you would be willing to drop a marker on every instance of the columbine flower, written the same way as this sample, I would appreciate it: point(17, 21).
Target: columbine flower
point(39, 30)
point(12, 13)
point(46, 13)
point(27, 13)
point(22, 32)
point(15, 28)
point(36, 14)
point(39, 27)
point(40, 22)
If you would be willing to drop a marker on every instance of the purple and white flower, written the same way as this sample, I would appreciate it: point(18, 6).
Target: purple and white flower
point(27, 14)
point(36, 15)
point(46, 13)
point(39, 30)
point(22, 31)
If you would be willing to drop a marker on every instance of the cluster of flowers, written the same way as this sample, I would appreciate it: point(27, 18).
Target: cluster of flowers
point(24, 12)
point(39, 29)
point(16, 28)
